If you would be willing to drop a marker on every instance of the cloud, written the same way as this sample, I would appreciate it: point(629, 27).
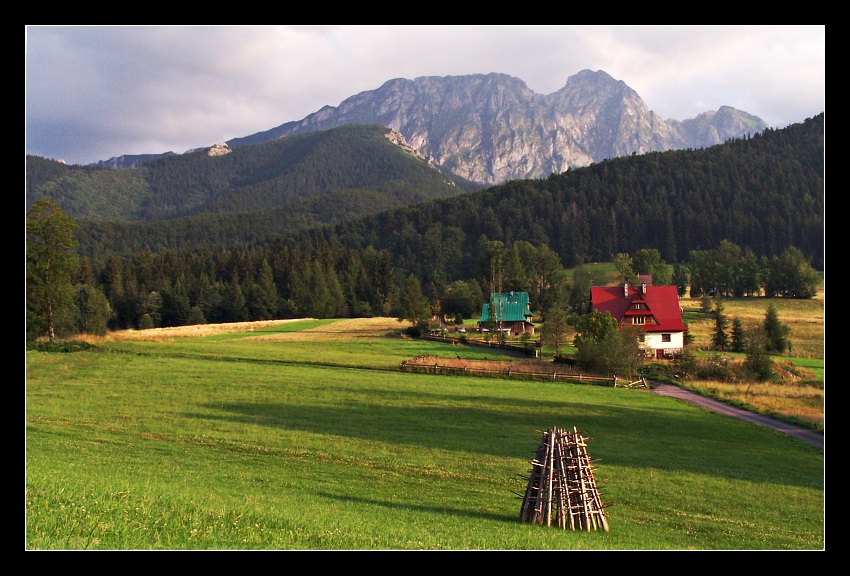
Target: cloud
point(93, 92)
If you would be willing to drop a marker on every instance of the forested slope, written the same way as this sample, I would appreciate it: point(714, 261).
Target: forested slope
point(351, 187)
point(320, 177)
point(763, 193)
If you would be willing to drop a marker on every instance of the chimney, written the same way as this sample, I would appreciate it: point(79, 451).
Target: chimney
point(643, 287)
point(625, 290)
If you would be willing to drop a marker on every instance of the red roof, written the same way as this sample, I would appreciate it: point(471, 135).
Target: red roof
point(661, 302)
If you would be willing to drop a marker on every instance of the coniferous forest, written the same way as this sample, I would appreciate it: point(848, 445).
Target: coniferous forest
point(332, 226)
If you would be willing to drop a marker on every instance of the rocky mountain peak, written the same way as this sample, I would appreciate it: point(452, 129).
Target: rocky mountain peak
point(489, 128)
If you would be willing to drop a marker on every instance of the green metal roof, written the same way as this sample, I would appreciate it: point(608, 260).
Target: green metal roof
point(506, 307)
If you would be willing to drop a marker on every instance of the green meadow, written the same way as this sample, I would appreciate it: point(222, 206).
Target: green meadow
point(306, 436)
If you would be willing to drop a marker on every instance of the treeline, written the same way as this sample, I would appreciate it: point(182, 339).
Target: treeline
point(682, 210)
point(246, 283)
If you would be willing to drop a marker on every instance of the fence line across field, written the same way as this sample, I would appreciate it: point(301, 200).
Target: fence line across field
point(436, 368)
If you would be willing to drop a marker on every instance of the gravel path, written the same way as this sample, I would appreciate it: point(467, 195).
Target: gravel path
point(810, 436)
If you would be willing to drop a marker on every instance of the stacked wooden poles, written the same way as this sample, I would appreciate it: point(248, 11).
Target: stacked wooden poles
point(562, 486)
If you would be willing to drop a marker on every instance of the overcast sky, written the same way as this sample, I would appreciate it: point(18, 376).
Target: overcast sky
point(95, 92)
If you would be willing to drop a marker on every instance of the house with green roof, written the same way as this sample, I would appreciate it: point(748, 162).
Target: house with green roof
point(509, 312)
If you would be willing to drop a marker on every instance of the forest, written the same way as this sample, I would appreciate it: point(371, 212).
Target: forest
point(746, 216)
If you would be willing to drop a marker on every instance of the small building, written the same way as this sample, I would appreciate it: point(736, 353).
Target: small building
point(654, 309)
point(509, 312)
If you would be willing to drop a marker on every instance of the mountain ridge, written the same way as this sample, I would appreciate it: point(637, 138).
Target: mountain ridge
point(316, 178)
point(490, 128)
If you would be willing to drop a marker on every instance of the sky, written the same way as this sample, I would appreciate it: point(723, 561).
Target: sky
point(95, 92)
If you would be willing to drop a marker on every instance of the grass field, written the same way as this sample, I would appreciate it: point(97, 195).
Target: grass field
point(304, 435)
point(797, 399)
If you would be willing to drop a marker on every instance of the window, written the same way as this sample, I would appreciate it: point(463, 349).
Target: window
point(638, 306)
point(638, 319)
point(665, 338)
point(642, 337)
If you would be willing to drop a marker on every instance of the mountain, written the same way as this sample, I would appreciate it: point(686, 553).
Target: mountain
point(492, 128)
point(763, 193)
point(131, 160)
point(312, 179)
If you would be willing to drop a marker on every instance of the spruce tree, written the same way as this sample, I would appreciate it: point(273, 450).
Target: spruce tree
point(775, 331)
point(556, 326)
point(414, 305)
point(720, 339)
point(738, 336)
point(264, 294)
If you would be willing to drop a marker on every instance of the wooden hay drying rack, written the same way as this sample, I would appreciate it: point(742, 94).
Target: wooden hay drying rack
point(561, 487)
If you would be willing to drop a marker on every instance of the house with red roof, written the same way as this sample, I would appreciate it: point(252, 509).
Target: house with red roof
point(653, 309)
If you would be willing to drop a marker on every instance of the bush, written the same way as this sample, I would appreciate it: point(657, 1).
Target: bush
point(720, 368)
point(60, 346)
point(414, 331)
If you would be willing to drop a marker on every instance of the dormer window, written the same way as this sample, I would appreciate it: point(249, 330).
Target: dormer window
point(638, 306)
point(639, 320)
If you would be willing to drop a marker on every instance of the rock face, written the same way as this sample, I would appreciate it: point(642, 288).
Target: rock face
point(219, 150)
point(489, 128)
point(492, 128)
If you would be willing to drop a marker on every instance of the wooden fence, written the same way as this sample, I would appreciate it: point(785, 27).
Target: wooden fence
point(533, 351)
point(567, 376)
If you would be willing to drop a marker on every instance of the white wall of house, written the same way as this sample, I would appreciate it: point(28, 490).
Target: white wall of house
point(654, 340)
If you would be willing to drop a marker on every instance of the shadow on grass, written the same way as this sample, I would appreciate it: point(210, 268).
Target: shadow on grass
point(513, 518)
point(624, 428)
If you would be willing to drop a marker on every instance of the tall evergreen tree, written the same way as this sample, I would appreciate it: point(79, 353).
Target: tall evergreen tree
point(263, 303)
point(775, 331)
point(720, 339)
point(579, 299)
point(235, 306)
point(92, 307)
point(93, 310)
point(738, 336)
point(315, 297)
point(414, 305)
point(336, 307)
point(556, 319)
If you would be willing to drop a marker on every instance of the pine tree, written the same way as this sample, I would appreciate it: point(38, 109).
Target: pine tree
point(738, 337)
point(720, 339)
point(414, 305)
point(236, 309)
point(93, 310)
point(775, 331)
point(264, 294)
point(556, 326)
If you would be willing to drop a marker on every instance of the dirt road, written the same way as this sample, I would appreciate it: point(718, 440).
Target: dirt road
point(810, 436)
